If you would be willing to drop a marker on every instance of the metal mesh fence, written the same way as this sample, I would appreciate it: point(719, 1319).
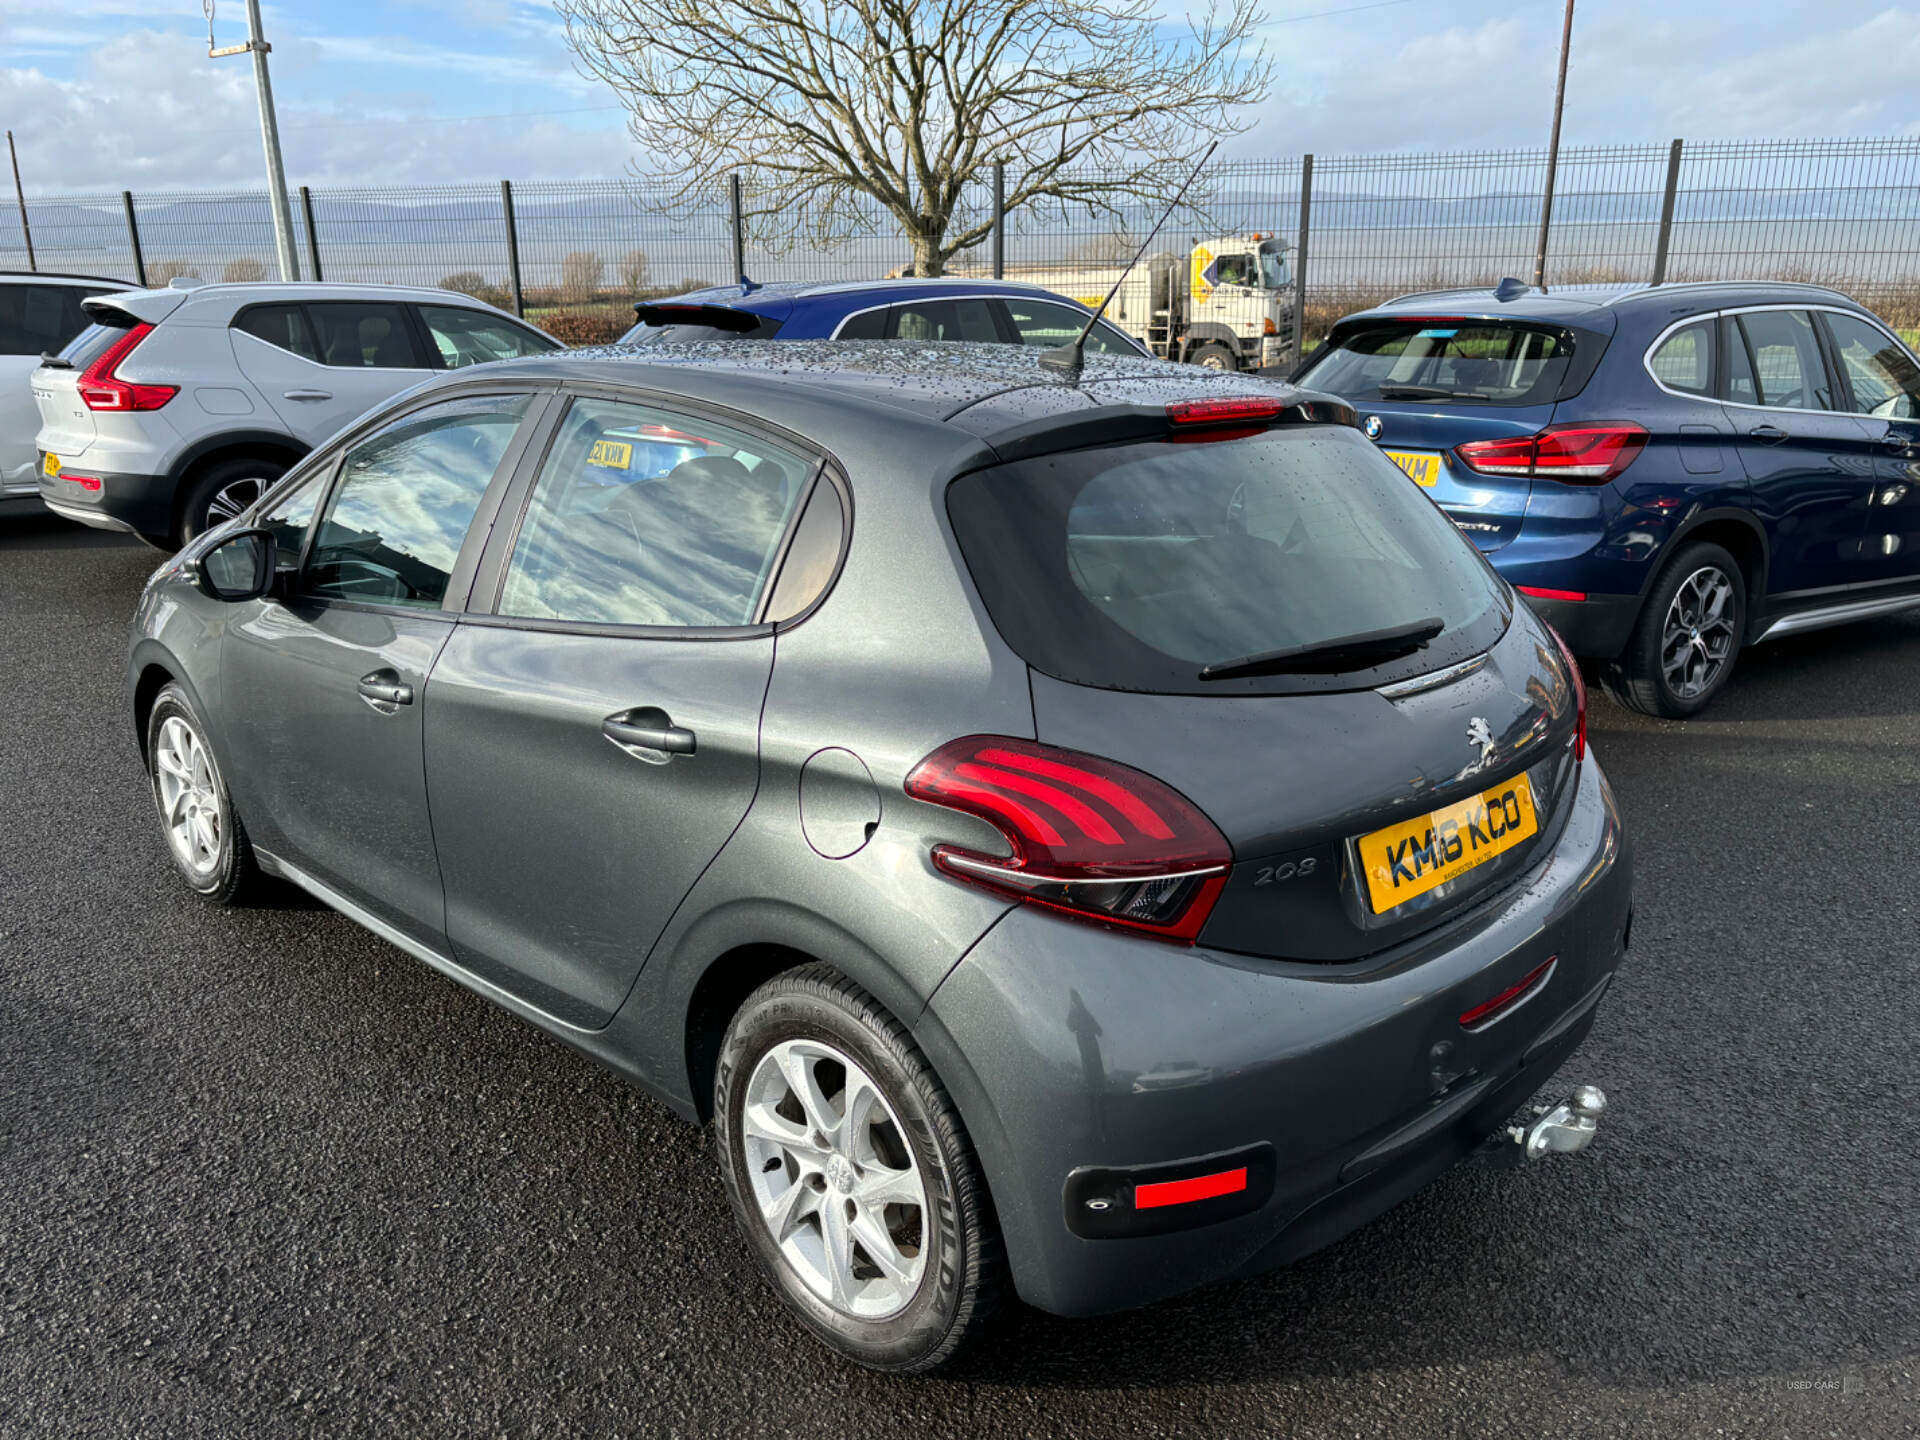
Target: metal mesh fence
point(1840, 212)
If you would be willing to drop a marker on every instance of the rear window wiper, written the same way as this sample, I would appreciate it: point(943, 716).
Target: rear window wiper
point(1429, 392)
point(1347, 652)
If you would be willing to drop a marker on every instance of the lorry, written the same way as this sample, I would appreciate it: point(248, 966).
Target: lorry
point(1226, 304)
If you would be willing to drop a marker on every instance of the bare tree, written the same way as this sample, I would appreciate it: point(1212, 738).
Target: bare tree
point(163, 272)
point(842, 105)
point(580, 275)
point(246, 269)
point(634, 271)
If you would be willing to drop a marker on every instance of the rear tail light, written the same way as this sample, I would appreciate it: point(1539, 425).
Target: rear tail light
point(101, 389)
point(1579, 696)
point(1233, 410)
point(1573, 454)
point(1090, 838)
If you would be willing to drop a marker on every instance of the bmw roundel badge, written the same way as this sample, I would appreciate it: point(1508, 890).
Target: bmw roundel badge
point(1372, 426)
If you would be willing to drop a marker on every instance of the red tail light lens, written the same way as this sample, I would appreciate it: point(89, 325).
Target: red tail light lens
point(1573, 454)
point(1234, 410)
point(1579, 696)
point(101, 389)
point(1093, 839)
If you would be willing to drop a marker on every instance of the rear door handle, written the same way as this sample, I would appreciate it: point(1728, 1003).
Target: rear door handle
point(385, 691)
point(307, 394)
point(1768, 434)
point(648, 733)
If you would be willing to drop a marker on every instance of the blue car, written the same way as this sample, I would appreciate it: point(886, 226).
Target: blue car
point(1668, 473)
point(995, 312)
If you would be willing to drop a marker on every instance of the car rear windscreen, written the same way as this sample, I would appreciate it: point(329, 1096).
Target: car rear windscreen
point(94, 341)
point(1134, 567)
point(765, 327)
point(1486, 362)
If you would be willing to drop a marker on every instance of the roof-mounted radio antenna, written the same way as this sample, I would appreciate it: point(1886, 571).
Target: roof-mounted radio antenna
point(1067, 359)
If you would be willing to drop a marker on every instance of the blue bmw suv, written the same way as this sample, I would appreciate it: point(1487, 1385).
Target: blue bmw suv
point(1667, 472)
point(994, 312)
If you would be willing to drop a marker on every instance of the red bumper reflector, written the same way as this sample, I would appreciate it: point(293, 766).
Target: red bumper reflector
point(85, 482)
point(1540, 592)
point(1485, 1013)
point(1185, 1192)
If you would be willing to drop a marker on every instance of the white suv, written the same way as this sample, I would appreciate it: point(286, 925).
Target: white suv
point(39, 315)
point(178, 407)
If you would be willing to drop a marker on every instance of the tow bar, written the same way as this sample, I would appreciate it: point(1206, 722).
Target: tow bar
point(1541, 1130)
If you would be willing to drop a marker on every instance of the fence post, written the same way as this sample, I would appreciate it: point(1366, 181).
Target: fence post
point(133, 239)
point(1666, 216)
point(313, 236)
point(999, 220)
point(1300, 261)
point(26, 229)
point(739, 229)
point(513, 248)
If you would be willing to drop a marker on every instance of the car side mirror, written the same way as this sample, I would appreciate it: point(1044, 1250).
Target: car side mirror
point(240, 567)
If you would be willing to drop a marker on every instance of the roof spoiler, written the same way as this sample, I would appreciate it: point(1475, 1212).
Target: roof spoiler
point(719, 317)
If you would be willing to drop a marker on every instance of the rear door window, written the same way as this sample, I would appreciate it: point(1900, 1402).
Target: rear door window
point(395, 524)
point(1684, 361)
point(358, 334)
point(645, 517)
point(1786, 364)
point(1463, 361)
point(1134, 567)
point(283, 326)
point(1040, 322)
point(969, 320)
point(41, 319)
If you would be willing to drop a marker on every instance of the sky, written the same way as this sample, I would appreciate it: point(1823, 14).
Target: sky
point(120, 94)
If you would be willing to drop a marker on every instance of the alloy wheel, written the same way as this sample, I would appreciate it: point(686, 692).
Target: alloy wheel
point(834, 1180)
point(190, 805)
point(232, 498)
point(1699, 635)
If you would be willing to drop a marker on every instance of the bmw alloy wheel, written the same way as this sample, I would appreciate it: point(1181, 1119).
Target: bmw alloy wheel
point(834, 1180)
point(190, 803)
point(1699, 637)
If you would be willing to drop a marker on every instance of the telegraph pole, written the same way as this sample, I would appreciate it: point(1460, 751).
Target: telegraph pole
point(1553, 152)
point(269, 134)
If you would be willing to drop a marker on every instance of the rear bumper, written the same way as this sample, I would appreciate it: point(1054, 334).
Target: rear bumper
point(1596, 628)
point(1069, 1048)
point(137, 504)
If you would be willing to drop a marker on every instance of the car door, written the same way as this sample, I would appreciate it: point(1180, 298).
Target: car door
point(320, 365)
point(323, 681)
point(1881, 382)
point(592, 744)
point(35, 319)
point(1810, 465)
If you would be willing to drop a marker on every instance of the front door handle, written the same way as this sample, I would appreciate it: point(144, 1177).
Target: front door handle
point(648, 733)
point(307, 394)
point(1768, 434)
point(385, 691)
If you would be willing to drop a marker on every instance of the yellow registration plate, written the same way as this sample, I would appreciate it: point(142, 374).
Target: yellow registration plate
point(1411, 858)
point(1421, 469)
point(50, 464)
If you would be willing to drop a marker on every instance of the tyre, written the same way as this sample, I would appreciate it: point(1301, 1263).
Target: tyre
point(1213, 356)
point(1687, 637)
point(222, 490)
point(205, 838)
point(851, 1174)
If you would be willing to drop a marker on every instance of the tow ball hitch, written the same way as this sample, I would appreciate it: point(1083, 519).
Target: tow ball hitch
point(1542, 1130)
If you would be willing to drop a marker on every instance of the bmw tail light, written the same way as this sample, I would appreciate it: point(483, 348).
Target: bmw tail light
point(101, 389)
point(1573, 454)
point(1579, 696)
point(1090, 838)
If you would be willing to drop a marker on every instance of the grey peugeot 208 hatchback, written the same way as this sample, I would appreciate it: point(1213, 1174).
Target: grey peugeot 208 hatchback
point(1105, 832)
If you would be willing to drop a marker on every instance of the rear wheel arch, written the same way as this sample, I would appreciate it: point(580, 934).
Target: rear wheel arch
point(723, 987)
point(1741, 536)
point(279, 450)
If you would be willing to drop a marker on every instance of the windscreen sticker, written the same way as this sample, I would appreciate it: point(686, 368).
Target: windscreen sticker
point(1436, 334)
point(612, 454)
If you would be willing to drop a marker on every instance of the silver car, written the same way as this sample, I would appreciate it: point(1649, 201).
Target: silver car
point(1095, 833)
point(177, 408)
point(40, 315)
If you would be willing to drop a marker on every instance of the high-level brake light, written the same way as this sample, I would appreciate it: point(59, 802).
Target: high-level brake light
point(1581, 454)
point(101, 389)
point(1090, 838)
point(1231, 410)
